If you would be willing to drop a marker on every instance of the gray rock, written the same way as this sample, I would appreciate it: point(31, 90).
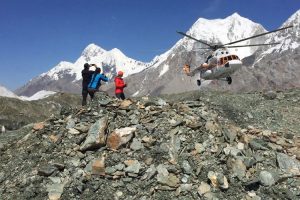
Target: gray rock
point(59, 166)
point(136, 144)
point(82, 127)
point(119, 166)
point(134, 167)
point(110, 170)
point(46, 170)
point(266, 178)
point(187, 169)
point(288, 164)
point(257, 144)
point(1, 146)
point(70, 123)
point(270, 95)
point(150, 172)
point(229, 135)
point(104, 102)
point(174, 147)
point(161, 102)
point(239, 169)
point(127, 180)
point(96, 135)
point(55, 191)
point(73, 131)
point(249, 162)
point(2, 177)
point(3, 129)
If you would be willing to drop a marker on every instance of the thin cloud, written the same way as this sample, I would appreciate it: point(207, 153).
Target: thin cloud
point(213, 7)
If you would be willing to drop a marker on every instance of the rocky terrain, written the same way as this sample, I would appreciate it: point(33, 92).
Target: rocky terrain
point(188, 146)
point(15, 113)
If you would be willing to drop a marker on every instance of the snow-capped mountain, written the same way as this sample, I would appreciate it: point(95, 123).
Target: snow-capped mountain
point(4, 92)
point(165, 74)
point(66, 76)
point(268, 67)
point(274, 67)
point(222, 31)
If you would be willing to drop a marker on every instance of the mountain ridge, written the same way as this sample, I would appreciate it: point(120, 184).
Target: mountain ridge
point(231, 28)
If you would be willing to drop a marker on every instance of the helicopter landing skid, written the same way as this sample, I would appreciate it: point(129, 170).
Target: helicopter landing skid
point(227, 79)
point(199, 82)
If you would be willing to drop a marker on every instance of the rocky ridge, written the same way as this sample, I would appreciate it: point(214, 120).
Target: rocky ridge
point(150, 148)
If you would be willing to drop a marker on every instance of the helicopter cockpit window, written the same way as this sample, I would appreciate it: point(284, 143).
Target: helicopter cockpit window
point(221, 61)
point(225, 59)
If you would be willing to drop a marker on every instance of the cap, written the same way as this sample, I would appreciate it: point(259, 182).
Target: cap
point(86, 65)
point(120, 73)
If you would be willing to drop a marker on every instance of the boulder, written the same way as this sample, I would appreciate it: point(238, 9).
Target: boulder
point(120, 137)
point(96, 137)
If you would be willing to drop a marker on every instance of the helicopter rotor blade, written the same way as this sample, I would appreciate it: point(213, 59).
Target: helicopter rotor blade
point(251, 45)
point(255, 36)
point(201, 48)
point(202, 42)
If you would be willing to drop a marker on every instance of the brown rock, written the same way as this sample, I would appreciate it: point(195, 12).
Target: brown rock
point(98, 167)
point(203, 188)
point(38, 126)
point(120, 137)
point(125, 104)
point(53, 138)
point(212, 127)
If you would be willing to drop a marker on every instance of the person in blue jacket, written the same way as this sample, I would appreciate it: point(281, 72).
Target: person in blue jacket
point(95, 82)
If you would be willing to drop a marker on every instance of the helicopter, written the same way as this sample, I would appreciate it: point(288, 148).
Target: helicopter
point(221, 64)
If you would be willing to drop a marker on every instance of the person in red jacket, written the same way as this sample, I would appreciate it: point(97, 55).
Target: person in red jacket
point(120, 85)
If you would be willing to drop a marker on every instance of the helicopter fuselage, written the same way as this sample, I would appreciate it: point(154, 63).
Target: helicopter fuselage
point(222, 65)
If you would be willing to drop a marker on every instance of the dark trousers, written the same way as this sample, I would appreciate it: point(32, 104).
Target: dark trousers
point(85, 93)
point(120, 96)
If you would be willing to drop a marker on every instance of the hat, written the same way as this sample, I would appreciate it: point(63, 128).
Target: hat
point(120, 73)
point(86, 65)
point(98, 70)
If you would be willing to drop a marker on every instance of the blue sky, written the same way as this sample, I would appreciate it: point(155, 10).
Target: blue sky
point(35, 35)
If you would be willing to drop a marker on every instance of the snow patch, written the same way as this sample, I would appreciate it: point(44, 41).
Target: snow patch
point(4, 92)
point(135, 94)
point(164, 70)
point(39, 95)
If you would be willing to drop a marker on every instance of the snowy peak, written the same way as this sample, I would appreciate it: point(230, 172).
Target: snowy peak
point(217, 31)
point(117, 53)
point(223, 30)
point(288, 39)
point(92, 50)
point(293, 20)
point(57, 72)
point(110, 62)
